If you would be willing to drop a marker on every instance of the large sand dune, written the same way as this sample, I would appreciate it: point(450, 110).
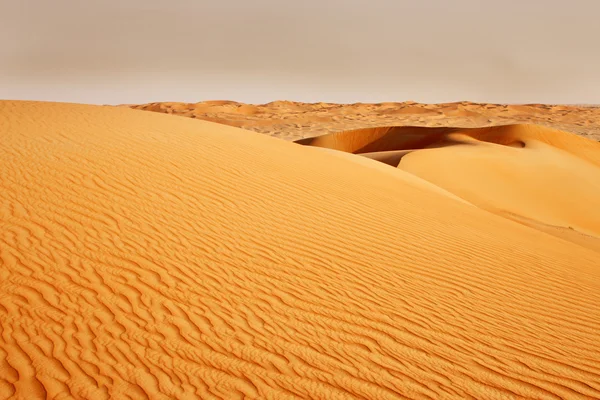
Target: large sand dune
point(530, 172)
point(151, 256)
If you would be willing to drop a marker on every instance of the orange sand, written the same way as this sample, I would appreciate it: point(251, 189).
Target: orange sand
point(292, 121)
point(533, 172)
point(148, 256)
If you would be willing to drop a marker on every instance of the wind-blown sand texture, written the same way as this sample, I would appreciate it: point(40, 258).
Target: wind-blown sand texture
point(291, 120)
point(148, 256)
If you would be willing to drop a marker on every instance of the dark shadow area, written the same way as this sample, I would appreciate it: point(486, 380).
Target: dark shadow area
point(389, 144)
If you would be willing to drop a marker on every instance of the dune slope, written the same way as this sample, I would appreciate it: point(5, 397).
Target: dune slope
point(152, 256)
point(538, 173)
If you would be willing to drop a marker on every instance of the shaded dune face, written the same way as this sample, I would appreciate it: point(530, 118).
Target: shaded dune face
point(528, 171)
point(373, 140)
point(389, 144)
point(393, 138)
point(148, 256)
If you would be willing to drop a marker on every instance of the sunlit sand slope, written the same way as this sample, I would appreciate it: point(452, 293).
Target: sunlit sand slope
point(151, 256)
point(546, 175)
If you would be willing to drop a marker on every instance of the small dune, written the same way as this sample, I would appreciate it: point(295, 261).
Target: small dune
point(144, 255)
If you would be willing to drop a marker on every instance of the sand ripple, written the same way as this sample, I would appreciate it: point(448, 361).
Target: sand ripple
point(147, 256)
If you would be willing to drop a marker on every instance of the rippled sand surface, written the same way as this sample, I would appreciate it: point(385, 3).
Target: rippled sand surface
point(144, 255)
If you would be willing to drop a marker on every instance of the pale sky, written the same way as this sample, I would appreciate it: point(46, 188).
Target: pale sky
point(139, 51)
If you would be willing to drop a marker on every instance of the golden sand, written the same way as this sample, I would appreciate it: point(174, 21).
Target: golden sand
point(149, 256)
point(531, 171)
point(292, 121)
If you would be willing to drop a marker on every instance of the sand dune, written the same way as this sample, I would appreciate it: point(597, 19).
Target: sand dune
point(403, 177)
point(148, 256)
point(379, 139)
point(538, 173)
point(292, 120)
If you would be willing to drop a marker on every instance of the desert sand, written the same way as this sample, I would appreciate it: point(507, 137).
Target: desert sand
point(145, 255)
point(533, 172)
point(290, 120)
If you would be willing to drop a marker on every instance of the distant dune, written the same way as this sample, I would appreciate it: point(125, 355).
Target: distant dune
point(148, 256)
point(536, 173)
point(292, 121)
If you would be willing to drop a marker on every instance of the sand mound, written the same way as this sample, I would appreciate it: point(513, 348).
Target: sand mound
point(535, 172)
point(148, 256)
point(402, 176)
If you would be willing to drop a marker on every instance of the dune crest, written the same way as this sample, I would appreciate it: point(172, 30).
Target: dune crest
point(148, 256)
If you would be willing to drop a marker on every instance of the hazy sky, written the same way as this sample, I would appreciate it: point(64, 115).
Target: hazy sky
point(138, 51)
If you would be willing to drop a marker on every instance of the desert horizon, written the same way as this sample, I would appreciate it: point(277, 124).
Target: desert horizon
point(291, 120)
point(390, 200)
